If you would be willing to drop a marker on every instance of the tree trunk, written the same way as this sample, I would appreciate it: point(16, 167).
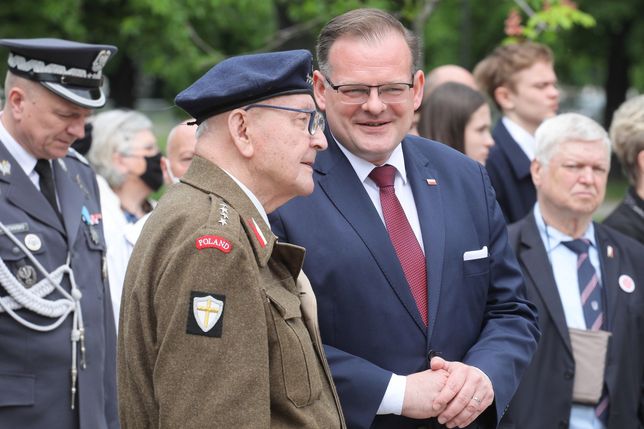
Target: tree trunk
point(619, 63)
point(123, 83)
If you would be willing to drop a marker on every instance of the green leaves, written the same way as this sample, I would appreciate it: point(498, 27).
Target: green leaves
point(547, 19)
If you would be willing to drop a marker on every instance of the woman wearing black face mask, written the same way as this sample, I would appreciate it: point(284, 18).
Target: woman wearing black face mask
point(127, 161)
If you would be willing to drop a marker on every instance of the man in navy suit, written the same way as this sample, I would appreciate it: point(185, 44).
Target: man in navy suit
point(581, 295)
point(387, 305)
point(521, 80)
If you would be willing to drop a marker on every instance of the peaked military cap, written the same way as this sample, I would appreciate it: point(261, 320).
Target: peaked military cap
point(246, 79)
point(72, 70)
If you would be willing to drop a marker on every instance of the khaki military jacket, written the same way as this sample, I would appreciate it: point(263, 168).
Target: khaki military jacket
point(212, 332)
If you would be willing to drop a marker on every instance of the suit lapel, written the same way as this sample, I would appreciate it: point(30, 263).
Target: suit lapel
point(609, 260)
point(71, 199)
point(23, 194)
point(518, 160)
point(534, 260)
point(432, 222)
point(340, 183)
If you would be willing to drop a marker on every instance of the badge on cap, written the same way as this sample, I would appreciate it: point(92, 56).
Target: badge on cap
point(205, 314)
point(33, 243)
point(101, 60)
point(627, 283)
point(5, 167)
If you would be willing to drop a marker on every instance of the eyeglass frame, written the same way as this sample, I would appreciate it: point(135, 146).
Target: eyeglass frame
point(313, 125)
point(336, 88)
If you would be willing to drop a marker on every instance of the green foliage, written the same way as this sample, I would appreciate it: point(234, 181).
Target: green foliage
point(172, 42)
point(549, 18)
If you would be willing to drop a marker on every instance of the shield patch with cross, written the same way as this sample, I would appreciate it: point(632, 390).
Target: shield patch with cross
point(207, 311)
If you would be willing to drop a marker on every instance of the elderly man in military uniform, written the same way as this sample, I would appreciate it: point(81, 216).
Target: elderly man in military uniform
point(216, 329)
point(57, 336)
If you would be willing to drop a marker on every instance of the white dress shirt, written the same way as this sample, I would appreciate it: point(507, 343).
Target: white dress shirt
point(524, 139)
point(394, 396)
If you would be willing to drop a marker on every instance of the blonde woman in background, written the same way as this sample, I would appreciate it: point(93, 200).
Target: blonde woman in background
point(127, 161)
point(627, 134)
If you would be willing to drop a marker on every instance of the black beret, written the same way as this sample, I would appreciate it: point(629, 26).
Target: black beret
point(245, 79)
point(72, 70)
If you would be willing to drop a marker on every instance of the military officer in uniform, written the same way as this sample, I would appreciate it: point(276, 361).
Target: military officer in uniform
point(57, 336)
point(214, 329)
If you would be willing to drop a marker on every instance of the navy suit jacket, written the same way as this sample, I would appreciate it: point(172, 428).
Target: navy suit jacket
point(509, 170)
point(544, 398)
point(368, 318)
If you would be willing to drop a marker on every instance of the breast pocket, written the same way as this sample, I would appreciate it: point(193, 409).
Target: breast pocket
point(475, 267)
point(20, 266)
point(300, 367)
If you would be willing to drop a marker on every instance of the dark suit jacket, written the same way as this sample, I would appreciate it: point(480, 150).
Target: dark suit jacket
point(544, 397)
point(368, 318)
point(509, 170)
point(628, 216)
point(35, 366)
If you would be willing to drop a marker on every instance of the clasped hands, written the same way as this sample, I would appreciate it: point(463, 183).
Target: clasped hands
point(453, 392)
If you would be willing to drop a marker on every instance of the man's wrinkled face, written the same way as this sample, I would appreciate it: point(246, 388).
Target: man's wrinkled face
point(285, 150)
point(573, 183)
point(48, 124)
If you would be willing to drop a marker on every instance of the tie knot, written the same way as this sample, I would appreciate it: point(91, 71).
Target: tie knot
point(383, 176)
point(43, 167)
point(578, 246)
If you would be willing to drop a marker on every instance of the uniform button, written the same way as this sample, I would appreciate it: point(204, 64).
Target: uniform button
point(15, 250)
point(569, 375)
point(563, 424)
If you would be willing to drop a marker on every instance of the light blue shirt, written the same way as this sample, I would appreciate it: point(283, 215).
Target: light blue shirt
point(564, 268)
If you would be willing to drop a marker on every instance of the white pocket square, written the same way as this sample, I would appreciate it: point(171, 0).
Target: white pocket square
point(475, 254)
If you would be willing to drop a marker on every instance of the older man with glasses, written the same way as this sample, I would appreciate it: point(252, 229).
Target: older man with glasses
point(215, 330)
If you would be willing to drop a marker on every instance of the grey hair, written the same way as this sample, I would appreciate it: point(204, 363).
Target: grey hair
point(627, 134)
point(202, 128)
point(563, 128)
point(367, 24)
point(113, 132)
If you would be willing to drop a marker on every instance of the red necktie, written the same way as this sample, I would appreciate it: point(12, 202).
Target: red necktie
point(402, 237)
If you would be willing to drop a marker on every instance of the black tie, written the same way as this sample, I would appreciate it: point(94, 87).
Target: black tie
point(46, 181)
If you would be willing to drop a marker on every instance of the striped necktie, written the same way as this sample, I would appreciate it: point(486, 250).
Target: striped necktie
point(591, 302)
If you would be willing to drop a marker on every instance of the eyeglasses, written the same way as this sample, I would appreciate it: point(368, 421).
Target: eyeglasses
point(389, 93)
point(316, 119)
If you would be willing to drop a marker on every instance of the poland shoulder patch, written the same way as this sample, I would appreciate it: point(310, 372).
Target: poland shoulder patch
point(205, 316)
